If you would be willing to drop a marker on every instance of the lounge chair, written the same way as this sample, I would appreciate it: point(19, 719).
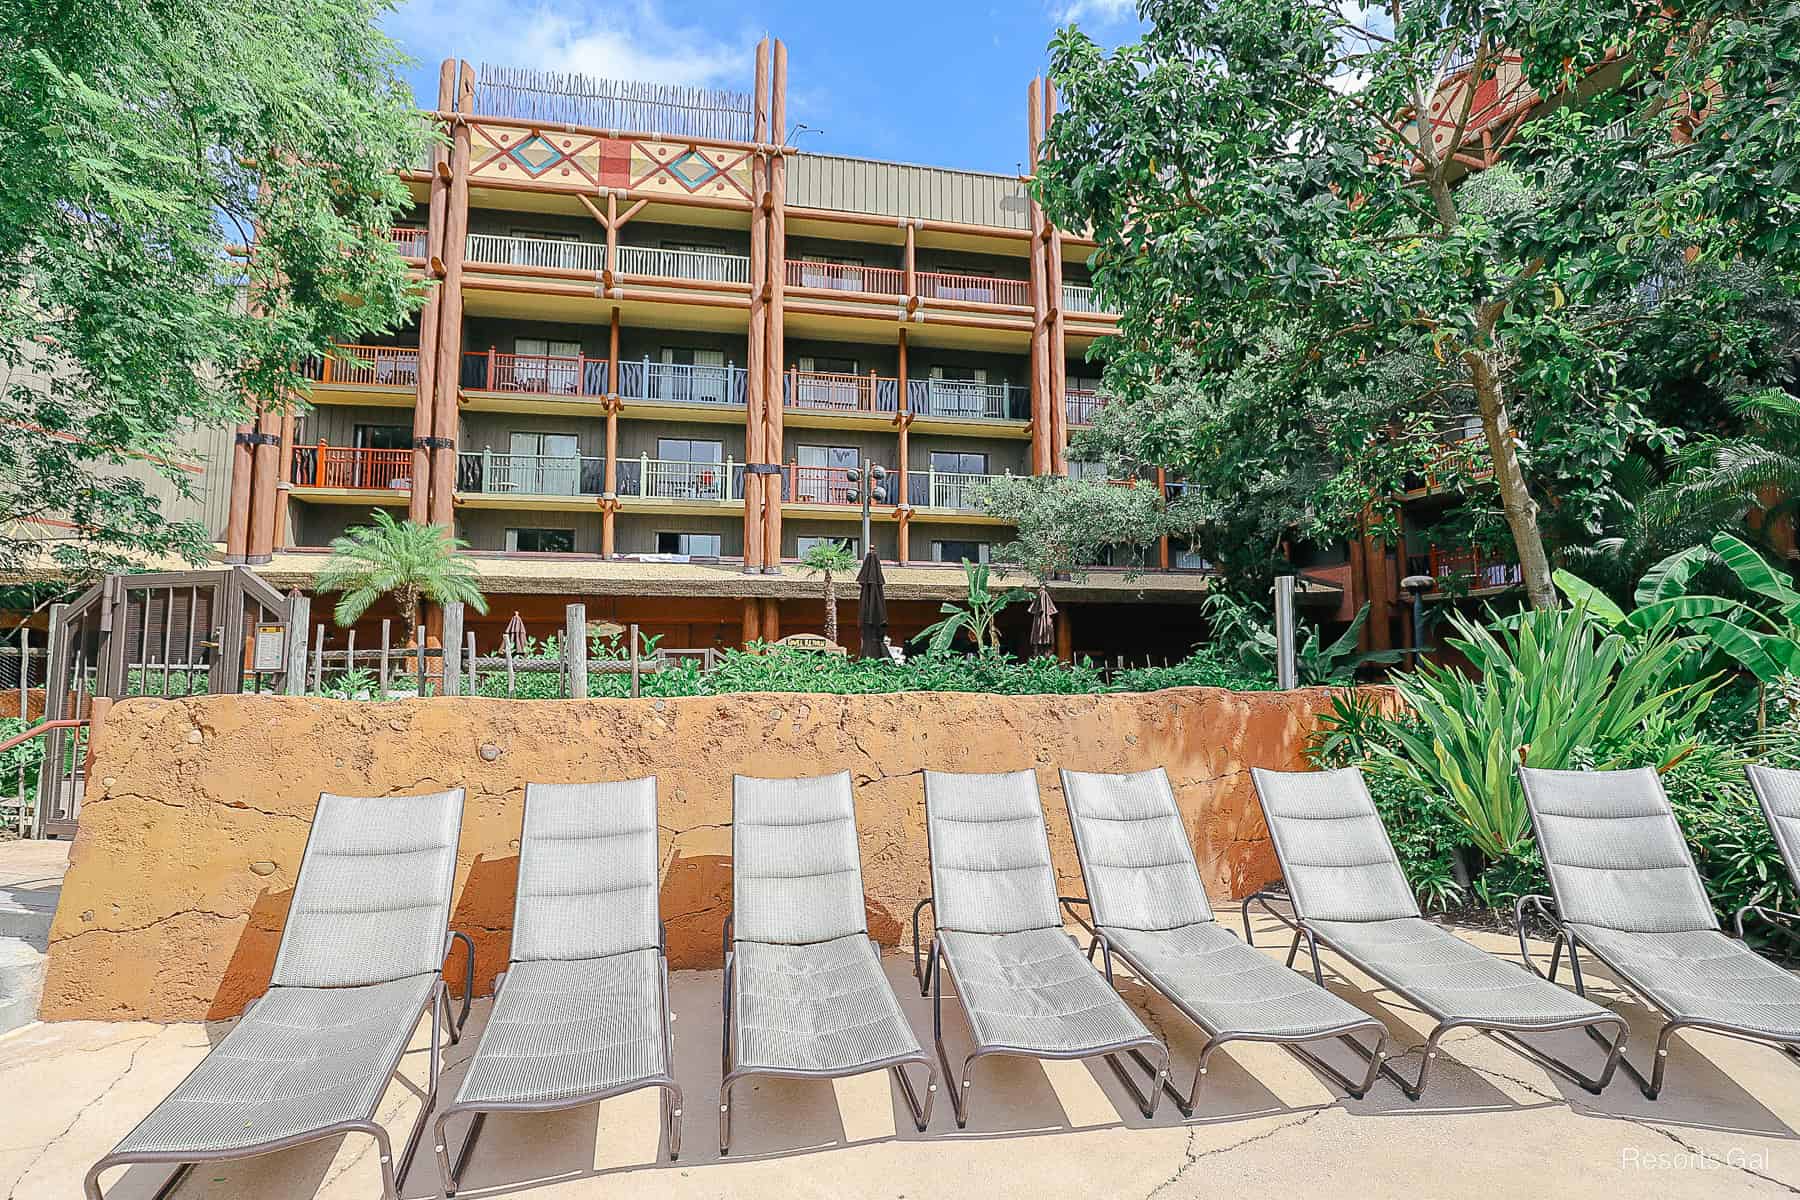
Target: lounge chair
point(361, 960)
point(582, 1010)
point(805, 996)
point(1149, 909)
point(1348, 892)
point(1778, 792)
point(1025, 986)
point(1627, 892)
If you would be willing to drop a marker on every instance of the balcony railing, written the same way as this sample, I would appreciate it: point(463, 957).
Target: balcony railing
point(543, 253)
point(352, 467)
point(544, 374)
point(410, 242)
point(979, 289)
point(966, 398)
point(945, 489)
point(817, 485)
point(704, 266)
point(682, 383)
point(846, 277)
point(489, 473)
point(368, 366)
point(1081, 405)
point(1080, 299)
point(840, 393)
point(674, 479)
point(1474, 568)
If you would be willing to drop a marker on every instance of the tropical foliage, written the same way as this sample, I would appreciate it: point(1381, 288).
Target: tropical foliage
point(1065, 525)
point(977, 615)
point(143, 144)
point(830, 559)
point(1249, 632)
point(406, 560)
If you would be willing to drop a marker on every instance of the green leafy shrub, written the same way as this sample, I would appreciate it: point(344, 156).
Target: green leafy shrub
point(27, 755)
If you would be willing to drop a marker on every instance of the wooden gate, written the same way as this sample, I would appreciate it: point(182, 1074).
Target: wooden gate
point(173, 633)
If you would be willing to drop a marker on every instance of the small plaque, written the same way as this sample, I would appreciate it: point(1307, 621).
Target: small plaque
point(271, 648)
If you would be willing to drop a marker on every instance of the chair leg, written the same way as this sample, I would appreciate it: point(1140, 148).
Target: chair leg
point(671, 1102)
point(390, 1183)
point(958, 1084)
point(921, 1113)
point(452, 1174)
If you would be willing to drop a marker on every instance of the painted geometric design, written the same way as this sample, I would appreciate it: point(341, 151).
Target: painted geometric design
point(502, 151)
point(692, 169)
point(536, 154)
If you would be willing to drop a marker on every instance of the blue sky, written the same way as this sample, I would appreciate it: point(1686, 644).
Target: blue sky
point(943, 85)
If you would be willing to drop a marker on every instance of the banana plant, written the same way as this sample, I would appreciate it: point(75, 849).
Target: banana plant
point(978, 616)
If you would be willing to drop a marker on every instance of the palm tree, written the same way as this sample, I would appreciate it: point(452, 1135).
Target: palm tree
point(829, 558)
point(1756, 471)
point(402, 559)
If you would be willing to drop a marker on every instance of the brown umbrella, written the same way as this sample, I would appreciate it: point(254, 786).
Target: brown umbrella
point(872, 617)
point(515, 634)
point(1043, 633)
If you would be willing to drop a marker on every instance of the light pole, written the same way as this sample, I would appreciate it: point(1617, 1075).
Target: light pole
point(875, 473)
point(1416, 586)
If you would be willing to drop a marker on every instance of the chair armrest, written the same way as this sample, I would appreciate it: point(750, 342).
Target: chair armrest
point(918, 908)
point(468, 996)
point(1774, 916)
point(1545, 908)
point(1069, 904)
point(1261, 897)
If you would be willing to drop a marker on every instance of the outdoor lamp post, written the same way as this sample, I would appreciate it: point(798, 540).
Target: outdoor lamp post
point(875, 473)
point(1416, 586)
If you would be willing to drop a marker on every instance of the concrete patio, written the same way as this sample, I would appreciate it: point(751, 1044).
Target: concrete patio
point(1492, 1125)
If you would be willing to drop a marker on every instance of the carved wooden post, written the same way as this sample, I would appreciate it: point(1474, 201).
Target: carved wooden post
point(418, 505)
point(756, 382)
point(299, 617)
point(1040, 364)
point(777, 353)
point(453, 636)
point(575, 649)
point(1057, 351)
point(446, 418)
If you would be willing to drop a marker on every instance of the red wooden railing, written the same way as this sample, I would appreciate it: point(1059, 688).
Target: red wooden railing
point(351, 467)
point(846, 277)
point(980, 289)
point(550, 374)
point(818, 485)
point(410, 242)
point(1479, 569)
point(371, 366)
point(38, 730)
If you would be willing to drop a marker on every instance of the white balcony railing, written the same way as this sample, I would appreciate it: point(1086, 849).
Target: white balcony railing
point(491, 473)
point(673, 479)
point(681, 383)
point(542, 253)
point(967, 398)
point(1079, 299)
point(949, 489)
point(704, 266)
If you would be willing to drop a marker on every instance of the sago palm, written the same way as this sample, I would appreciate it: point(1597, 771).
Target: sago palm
point(830, 559)
point(408, 561)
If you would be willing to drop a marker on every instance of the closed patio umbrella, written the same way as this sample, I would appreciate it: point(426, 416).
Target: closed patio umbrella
point(1043, 633)
point(872, 617)
point(514, 637)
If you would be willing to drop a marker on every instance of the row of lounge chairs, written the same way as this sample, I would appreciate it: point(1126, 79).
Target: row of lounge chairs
point(582, 1010)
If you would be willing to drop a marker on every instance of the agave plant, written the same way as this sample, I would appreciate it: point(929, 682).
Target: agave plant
point(1548, 688)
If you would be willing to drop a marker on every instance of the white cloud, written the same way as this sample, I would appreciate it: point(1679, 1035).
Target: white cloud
point(1103, 12)
point(634, 40)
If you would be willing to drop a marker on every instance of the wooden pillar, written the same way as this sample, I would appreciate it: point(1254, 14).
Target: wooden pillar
point(418, 505)
point(1041, 460)
point(911, 270)
point(756, 380)
point(446, 419)
point(771, 615)
point(1162, 498)
point(265, 455)
point(1065, 635)
point(612, 238)
point(777, 348)
point(609, 502)
point(237, 519)
point(1057, 352)
point(752, 619)
point(902, 423)
point(284, 485)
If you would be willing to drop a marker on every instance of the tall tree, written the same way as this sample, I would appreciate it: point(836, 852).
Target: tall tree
point(143, 144)
point(830, 559)
point(409, 561)
point(1268, 208)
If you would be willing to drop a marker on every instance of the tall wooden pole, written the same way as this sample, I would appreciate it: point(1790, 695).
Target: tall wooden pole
point(756, 376)
point(418, 505)
point(1041, 458)
point(777, 351)
point(262, 487)
point(237, 520)
point(446, 419)
point(1057, 352)
point(609, 502)
point(902, 422)
point(284, 485)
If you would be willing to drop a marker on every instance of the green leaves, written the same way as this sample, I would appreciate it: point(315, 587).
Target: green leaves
point(407, 561)
point(978, 616)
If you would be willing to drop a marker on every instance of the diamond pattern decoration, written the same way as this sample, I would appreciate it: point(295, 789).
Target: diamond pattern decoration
point(693, 169)
point(536, 154)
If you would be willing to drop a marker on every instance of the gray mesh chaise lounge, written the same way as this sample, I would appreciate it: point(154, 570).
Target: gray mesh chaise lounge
point(582, 1011)
point(1149, 908)
point(1627, 892)
point(805, 996)
point(1349, 893)
point(1025, 986)
point(1778, 792)
point(361, 960)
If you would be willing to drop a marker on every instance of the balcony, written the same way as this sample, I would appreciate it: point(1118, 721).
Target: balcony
point(410, 242)
point(1469, 568)
point(1080, 299)
point(840, 393)
point(672, 479)
point(974, 289)
point(484, 472)
point(366, 367)
point(682, 383)
point(544, 254)
point(352, 468)
point(1081, 404)
point(540, 374)
point(701, 266)
point(967, 398)
point(945, 489)
point(846, 277)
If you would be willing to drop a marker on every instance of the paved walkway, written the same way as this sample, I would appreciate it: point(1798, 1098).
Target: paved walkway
point(1492, 1126)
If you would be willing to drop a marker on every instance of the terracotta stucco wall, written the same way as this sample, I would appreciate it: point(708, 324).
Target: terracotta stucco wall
point(197, 810)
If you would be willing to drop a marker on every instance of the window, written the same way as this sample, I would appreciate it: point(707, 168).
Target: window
point(687, 469)
point(689, 450)
point(384, 461)
point(820, 477)
point(959, 392)
point(690, 373)
point(833, 271)
point(541, 365)
point(1189, 559)
point(958, 463)
point(828, 382)
point(546, 248)
point(383, 437)
point(953, 552)
point(541, 541)
point(827, 365)
point(538, 464)
point(695, 545)
point(802, 545)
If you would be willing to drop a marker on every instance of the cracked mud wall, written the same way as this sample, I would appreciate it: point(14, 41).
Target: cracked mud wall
point(197, 810)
